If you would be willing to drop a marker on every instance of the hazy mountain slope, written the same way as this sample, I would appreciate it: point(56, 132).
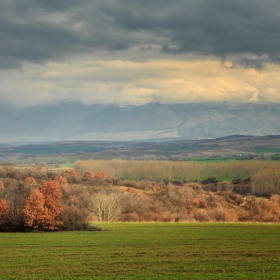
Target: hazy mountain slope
point(73, 120)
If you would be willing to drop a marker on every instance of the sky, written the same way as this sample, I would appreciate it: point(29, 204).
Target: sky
point(136, 52)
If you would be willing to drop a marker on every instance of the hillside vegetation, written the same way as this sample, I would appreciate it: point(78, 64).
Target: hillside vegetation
point(38, 199)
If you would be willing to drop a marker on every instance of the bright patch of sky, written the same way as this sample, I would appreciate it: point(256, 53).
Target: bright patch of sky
point(128, 52)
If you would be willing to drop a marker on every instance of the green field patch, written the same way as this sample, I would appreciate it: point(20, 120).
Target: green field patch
point(221, 158)
point(268, 150)
point(145, 251)
point(70, 165)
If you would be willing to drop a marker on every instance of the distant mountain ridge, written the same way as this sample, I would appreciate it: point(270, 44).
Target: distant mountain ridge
point(76, 121)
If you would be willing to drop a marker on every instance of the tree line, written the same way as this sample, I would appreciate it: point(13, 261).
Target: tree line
point(38, 199)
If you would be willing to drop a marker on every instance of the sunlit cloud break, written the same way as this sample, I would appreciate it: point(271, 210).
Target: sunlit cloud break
point(120, 52)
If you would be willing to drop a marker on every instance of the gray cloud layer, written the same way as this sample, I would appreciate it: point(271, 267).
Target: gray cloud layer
point(38, 31)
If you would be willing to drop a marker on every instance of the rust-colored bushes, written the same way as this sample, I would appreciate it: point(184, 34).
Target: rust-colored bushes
point(88, 175)
point(101, 175)
point(30, 181)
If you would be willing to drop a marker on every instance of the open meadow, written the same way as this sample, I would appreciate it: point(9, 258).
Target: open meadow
point(145, 251)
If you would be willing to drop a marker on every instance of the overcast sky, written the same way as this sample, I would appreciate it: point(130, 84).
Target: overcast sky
point(135, 52)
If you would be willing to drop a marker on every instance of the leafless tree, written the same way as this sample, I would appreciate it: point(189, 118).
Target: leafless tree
point(106, 206)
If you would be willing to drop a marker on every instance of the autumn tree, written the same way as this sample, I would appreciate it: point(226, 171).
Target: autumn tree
point(52, 204)
point(4, 210)
point(33, 210)
point(42, 207)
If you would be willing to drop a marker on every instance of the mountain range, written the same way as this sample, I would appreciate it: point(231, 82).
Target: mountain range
point(152, 121)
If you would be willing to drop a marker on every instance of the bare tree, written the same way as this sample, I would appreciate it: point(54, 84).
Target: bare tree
point(266, 182)
point(106, 206)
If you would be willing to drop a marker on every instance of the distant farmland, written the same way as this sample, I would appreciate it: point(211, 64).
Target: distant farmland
point(221, 149)
point(57, 149)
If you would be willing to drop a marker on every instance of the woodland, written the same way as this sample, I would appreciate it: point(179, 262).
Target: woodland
point(41, 199)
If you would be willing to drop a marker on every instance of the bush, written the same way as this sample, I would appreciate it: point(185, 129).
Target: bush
point(201, 215)
point(209, 180)
point(89, 175)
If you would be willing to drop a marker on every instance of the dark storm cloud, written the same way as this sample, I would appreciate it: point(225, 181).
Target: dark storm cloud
point(38, 30)
point(207, 27)
point(118, 46)
point(251, 63)
point(58, 5)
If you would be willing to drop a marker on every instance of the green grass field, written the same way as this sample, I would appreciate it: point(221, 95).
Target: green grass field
point(268, 150)
point(65, 165)
point(145, 251)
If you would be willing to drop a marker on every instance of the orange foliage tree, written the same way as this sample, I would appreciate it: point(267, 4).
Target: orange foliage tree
point(89, 175)
point(30, 181)
point(61, 180)
point(4, 210)
point(42, 207)
point(33, 210)
point(52, 194)
point(101, 175)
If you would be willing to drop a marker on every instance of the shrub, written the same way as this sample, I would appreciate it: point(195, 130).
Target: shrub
point(130, 217)
point(100, 175)
point(88, 175)
point(72, 217)
point(218, 214)
point(232, 198)
point(70, 172)
point(30, 181)
point(242, 188)
point(201, 215)
point(264, 210)
point(209, 180)
point(61, 180)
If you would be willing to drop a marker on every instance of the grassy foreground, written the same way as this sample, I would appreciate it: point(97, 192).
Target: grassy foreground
point(145, 251)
